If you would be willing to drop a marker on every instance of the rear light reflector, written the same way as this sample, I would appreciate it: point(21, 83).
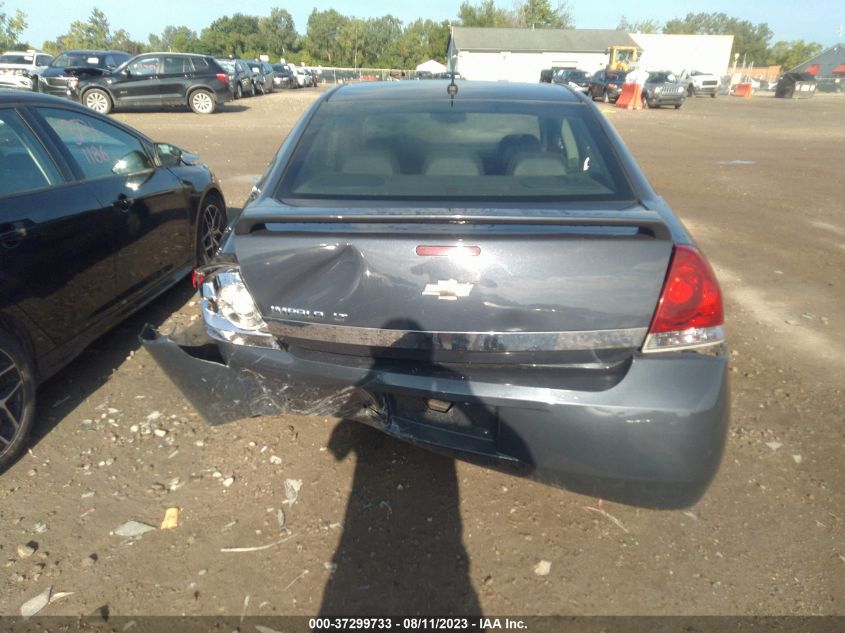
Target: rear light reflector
point(223, 78)
point(689, 313)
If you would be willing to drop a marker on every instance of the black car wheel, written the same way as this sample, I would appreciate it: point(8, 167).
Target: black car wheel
point(239, 91)
point(17, 398)
point(604, 97)
point(691, 90)
point(678, 106)
point(713, 95)
point(211, 223)
point(98, 100)
point(201, 102)
point(252, 89)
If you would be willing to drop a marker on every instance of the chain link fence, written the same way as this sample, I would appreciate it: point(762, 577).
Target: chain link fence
point(331, 75)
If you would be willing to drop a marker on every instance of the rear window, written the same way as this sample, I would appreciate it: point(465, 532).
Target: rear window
point(17, 58)
point(469, 151)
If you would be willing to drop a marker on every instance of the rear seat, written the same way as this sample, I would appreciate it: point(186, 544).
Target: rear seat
point(537, 164)
point(371, 162)
point(453, 165)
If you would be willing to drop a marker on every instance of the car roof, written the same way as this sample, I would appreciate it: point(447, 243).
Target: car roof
point(436, 89)
point(23, 97)
point(93, 50)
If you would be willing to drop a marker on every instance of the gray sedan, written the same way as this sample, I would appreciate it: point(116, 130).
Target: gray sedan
point(478, 269)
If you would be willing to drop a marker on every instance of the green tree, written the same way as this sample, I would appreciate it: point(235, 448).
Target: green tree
point(641, 26)
point(94, 33)
point(791, 54)
point(323, 36)
point(485, 13)
point(751, 41)
point(540, 14)
point(235, 35)
point(11, 28)
point(422, 40)
point(277, 33)
point(175, 38)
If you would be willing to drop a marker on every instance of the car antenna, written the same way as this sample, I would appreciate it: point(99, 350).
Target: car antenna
point(452, 90)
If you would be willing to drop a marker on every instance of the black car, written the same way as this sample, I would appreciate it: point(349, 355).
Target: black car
point(262, 75)
point(282, 77)
point(67, 68)
point(574, 78)
point(158, 79)
point(484, 272)
point(95, 221)
point(240, 76)
point(795, 85)
point(546, 75)
point(606, 85)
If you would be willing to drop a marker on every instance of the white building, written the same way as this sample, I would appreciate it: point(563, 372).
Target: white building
point(707, 53)
point(504, 54)
point(497, 54)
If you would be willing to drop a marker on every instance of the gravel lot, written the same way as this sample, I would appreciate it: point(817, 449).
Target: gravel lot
point(379, 527)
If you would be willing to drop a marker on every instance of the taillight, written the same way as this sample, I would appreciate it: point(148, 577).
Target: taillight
point(197, 277)
point(689, 313)
point(223, 78)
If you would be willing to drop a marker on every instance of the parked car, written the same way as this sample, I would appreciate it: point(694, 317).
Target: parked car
point(66, 69)
point(700, 83)
point(20, 69)
point(96, 221)
point(546, 76)
point(262, 76)
point(663, 88)
point(240, 76)
point(302, 79)
point(606, 85)
point(795, 85)
point(282, 76)
point(158, 79)
point(487, 274)
point(574, 78)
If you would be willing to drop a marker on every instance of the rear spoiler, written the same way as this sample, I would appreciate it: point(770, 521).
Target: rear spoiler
point(648, 226)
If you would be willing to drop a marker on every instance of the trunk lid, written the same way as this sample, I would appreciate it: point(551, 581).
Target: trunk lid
point(511, 280)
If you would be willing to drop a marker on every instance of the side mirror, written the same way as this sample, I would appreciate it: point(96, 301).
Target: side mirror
point(168, 155)
point(126, 72)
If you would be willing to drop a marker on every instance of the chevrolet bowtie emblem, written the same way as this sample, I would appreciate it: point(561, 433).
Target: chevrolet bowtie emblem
point(447, 289)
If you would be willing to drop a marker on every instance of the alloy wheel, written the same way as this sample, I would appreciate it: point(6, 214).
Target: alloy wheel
point(202, 102)
point(97, 101)
point(11, 400)
point(212, 226)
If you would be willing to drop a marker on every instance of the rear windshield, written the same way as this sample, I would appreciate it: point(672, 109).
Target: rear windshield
point(17, 58)
point(469, 151)
point(88, 60)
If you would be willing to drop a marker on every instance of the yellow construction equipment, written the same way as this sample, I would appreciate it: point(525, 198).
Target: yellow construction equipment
point(622, 57)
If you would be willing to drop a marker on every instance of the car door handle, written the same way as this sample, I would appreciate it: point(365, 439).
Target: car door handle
point(123, 203)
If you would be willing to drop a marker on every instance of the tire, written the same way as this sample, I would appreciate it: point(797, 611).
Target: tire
point(712, 95)
point(604, 97)
point(201, 101)
point(260, 88)
point(17, 398)
point(211, 224)
point(678, 106)
point(691, 90)
point(98, 100)
point(251, 88)
point(239, 91)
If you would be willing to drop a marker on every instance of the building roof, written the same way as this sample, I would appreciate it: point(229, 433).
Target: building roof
point(826, 62)
point(537, 40)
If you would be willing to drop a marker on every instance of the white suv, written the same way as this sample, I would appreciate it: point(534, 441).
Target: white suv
point(20, 69)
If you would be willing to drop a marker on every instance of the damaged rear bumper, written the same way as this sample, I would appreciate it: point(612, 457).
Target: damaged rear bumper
point(654, 438)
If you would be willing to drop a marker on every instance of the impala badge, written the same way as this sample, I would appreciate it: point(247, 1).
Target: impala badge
point(447, 289)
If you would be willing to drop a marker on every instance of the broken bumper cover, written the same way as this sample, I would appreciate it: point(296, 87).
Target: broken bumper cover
point(653, 439)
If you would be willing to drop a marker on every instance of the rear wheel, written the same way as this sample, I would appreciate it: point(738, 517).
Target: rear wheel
point(239, 91)
point(17, 398)
point(604, 97)
point(201, 102)
point(252, 89)
point(678, 106)
point(211, 223)
point(713, 95)
point(98, 100)
point(691, 90)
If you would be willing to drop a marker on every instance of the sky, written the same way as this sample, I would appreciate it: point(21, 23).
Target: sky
point(821, 21)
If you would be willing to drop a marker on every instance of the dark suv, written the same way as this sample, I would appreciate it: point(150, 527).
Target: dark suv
point(606, 85)
point(66, 69)
point(158, 79)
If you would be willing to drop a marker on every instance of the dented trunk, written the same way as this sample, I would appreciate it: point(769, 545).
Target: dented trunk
point(482, 284)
